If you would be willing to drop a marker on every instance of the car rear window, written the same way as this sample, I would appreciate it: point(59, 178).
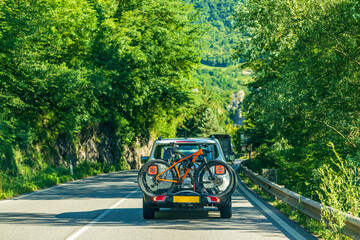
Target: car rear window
point(186, 149)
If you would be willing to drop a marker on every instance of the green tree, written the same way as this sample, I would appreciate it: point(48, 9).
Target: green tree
point(42, 45)
point(146, 53)
point(69, 66)
point(305, 55)
point(209, 124)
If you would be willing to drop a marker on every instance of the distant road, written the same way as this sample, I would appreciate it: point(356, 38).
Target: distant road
point(109, 206)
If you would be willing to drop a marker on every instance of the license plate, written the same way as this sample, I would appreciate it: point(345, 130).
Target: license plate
point(186, 199)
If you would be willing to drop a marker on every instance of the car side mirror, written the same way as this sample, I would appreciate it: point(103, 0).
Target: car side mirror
point(144, 159)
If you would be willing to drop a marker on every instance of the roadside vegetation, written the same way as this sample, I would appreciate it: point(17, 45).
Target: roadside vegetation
point(303, 106)
point(32, 179)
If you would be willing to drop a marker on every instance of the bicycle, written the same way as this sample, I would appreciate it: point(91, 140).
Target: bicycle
point(213, 177)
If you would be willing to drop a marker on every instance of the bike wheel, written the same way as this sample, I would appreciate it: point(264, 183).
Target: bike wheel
point(148, 183)
point(215, 178)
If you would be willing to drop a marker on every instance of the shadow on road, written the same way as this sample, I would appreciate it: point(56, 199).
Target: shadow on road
point(199, 220)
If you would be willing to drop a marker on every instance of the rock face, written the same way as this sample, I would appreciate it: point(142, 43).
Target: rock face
point(135, 151)
point(100, 144)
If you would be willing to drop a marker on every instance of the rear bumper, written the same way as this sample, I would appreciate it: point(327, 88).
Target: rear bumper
point(170, 203)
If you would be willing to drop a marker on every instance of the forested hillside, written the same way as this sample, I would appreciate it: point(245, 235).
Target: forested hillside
point(219, 74)
point(219, 40)
point(303, 110)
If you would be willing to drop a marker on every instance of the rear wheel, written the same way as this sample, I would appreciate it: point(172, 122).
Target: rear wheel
point(148, 210)
point(151, 186)
point(215, 178)
point(226, 210)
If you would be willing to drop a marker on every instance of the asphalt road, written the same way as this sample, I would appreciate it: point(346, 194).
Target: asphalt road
point(109, 206)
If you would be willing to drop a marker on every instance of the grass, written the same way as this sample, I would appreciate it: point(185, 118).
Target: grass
point(30, 180)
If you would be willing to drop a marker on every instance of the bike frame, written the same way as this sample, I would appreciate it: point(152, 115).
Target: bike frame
point(180, 178)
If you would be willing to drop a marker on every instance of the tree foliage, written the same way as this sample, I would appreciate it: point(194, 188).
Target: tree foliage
point(209, 124)
point(69, 65)
point(219, 38)
point(305, 55)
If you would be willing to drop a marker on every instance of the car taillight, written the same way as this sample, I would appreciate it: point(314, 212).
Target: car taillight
point(212, 199)
point(160, 198)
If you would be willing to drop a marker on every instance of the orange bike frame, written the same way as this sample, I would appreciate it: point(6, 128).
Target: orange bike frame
point(195, 154)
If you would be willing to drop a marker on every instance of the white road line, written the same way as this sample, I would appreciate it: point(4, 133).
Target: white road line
point(86, 227)
point(283, 224)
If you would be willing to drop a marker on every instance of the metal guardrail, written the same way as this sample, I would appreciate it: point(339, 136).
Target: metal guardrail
point(307, 206)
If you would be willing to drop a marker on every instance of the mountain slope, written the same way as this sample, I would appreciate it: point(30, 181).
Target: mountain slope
point(220, 38)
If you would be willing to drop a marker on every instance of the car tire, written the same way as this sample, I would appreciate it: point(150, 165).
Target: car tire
point(226, 210)
point(148, 211)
